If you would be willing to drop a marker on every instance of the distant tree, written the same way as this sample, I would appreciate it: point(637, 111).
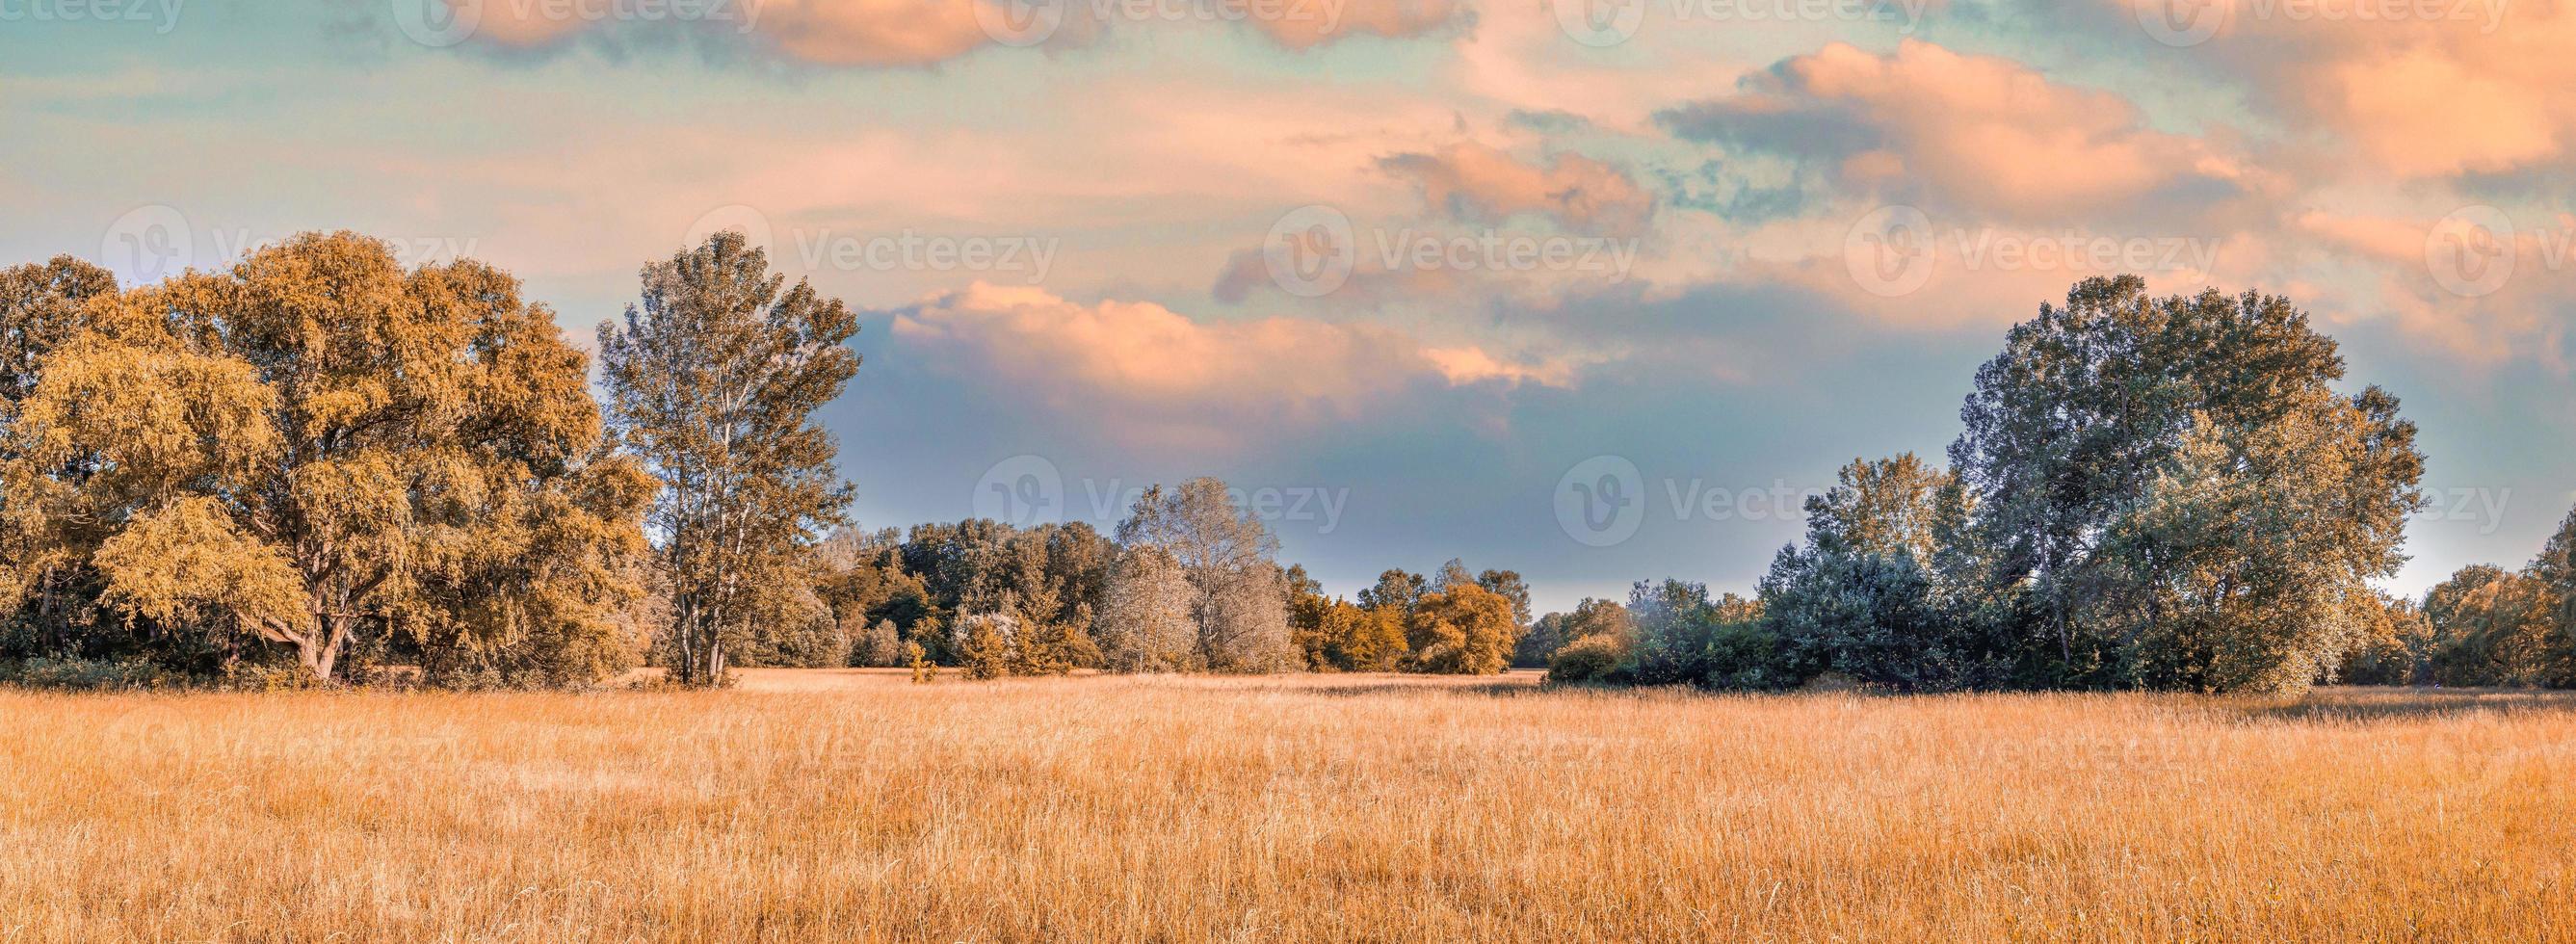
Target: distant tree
point(713, 380)
point(1149, 623)
point(1307, 609)
point(987, 644)
point(2556, 571)
point(2178, 492)
point(1395, 590)
point(2393, 643)
point(1366, 640)
point(1510, 585)
point(1238, 606)
point(2498, 627)
point(881, 646)
point(1555, 631)
point(1684, 638)
point(1461, 629)
point(317, 449)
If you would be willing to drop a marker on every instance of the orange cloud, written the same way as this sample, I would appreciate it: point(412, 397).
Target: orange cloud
point(1984, 133)
point(2422, 89)
point(1470, 181)
point(1190, 380)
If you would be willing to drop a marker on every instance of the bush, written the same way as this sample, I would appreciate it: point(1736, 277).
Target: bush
point(90, 674)
point(1589, 659)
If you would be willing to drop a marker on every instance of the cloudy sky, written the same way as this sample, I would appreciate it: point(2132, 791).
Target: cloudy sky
point(1594, 289)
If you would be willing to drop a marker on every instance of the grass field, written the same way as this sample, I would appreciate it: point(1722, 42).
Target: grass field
point(853, 805)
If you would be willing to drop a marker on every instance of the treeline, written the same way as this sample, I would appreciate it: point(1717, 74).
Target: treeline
point(2151, 493)
point(317, 467)
point(993, 600)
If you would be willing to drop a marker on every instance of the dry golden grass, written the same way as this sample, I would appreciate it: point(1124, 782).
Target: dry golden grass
point(856, 805)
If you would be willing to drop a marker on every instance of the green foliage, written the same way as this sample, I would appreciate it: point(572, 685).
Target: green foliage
point(2179, 491)
point(713, 379)
point(1555, 631)
point(1589, 659)
point(1685, 638)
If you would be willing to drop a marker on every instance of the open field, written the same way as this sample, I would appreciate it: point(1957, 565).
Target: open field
point(857, 805)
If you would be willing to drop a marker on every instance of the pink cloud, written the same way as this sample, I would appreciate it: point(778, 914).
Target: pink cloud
point(1472, 182)
point(1983, 133)
point(893, 33)
point(2419, 89)
point(1185, 380)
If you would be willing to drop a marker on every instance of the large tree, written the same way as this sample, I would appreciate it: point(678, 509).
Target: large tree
point(42, 307)
point(713, 380)
point(2187, 499)
point(317, 446)
point(1237, 605)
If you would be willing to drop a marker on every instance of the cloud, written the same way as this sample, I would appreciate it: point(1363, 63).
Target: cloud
point(896, 33)
point(1168, 378)
point(1301, 24)
point(1980, 134)
point(2483, 293)
point(1474, 183)
point(2413, 89)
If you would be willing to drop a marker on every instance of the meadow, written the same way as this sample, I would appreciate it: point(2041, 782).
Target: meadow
point(856, 805)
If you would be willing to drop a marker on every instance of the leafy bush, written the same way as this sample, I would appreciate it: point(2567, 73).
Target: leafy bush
point(90, 674)
point(1589, 659)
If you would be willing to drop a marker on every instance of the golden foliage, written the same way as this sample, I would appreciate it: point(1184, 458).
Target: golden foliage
point(177, 563)
point(322, 446)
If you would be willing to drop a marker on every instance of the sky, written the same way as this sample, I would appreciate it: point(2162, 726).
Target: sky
point(1595, 290)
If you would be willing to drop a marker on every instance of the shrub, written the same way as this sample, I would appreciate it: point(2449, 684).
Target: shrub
point(90, 674)
point(1589, 659)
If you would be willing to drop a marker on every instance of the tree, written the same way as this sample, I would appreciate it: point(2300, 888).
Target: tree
point(2556, 571)
point(2175, 492)
point(1461, 629)
point(1862, 600)
point(1238, 603)
point(1555, 631)
point(1395, 590)
point(1684, 638)
point(713, 380)
point(2492, 626)
point(881, 646)
point(1148, 622)
point(1510, 585)
point(42, 308)
point(317, 446)
point(2393, 644)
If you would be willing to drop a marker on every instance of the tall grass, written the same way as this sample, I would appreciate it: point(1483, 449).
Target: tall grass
point(849, 805)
